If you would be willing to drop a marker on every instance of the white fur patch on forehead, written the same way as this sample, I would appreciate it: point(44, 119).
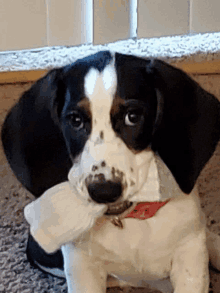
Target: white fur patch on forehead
point(90, 81)
point(100, 88)
point(109, 78)
point(105, 81)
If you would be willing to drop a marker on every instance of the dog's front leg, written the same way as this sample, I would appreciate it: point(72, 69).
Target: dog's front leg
point(190, 273)
point(83, 273)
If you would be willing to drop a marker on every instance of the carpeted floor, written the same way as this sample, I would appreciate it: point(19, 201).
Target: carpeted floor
point(16, 274)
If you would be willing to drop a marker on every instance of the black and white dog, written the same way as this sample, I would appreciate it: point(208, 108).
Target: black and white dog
point(111, 118)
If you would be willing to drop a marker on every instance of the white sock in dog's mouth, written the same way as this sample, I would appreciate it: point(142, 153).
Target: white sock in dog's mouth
point(118, 208)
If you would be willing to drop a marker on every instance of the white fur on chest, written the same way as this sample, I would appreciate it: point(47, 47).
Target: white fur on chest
point(144, 248)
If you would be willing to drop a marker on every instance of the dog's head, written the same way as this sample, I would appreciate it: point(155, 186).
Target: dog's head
point(113, 111)
point(117, 109)
point(113, 121)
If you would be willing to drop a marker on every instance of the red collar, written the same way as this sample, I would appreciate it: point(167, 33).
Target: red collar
point(145, 210)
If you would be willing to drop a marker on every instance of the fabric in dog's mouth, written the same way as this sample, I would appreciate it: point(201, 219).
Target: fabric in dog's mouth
point(119, 208)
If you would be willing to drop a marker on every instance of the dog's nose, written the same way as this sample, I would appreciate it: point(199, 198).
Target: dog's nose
point(105, 192)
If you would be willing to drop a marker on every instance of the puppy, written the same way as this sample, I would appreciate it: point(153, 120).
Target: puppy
point(133, 134)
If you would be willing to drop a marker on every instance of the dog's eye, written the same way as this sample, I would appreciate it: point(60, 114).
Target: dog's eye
point(76, 120)
point(132, 118)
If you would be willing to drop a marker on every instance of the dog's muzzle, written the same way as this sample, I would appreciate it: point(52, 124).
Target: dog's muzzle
point(102, 190)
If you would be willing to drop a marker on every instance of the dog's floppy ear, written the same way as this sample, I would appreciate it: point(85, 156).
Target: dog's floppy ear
point(188, 123)
point(32, 140)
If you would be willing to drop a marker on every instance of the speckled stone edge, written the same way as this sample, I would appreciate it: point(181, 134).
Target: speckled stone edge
point(187, 48)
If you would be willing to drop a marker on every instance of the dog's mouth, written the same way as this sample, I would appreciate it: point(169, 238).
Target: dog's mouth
point(119, 208)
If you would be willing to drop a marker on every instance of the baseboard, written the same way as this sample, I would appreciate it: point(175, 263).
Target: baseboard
point(194, 68)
